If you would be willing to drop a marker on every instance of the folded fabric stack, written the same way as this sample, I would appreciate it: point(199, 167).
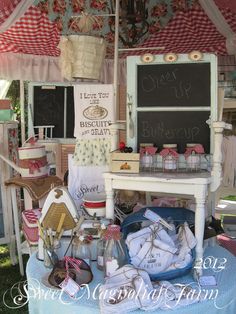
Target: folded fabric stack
point(154, 250)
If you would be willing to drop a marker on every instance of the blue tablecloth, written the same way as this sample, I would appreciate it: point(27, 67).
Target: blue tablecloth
point(43, 299)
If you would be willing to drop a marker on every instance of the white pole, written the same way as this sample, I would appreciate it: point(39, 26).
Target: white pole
point(22, 110)
point(115, 78)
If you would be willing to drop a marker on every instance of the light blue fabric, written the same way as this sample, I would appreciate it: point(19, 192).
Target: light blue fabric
point(43, 300)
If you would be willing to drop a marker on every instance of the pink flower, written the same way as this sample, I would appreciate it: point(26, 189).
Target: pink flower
point(43, 6)
point(154, 27)
point(110, 37)
point(59, 24)
point(195, 5)
point(179, 5)
point(159, 10)
point(111, 21)
point(98, 23)
point(59, 6)
point(73, 25)
point(98, 4)
point(77, 5)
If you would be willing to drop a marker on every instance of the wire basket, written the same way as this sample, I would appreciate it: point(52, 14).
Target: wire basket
point(194, 163)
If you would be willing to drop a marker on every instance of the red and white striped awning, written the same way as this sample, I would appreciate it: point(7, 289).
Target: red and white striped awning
point(33, 33)
point(29, 46)
point(188, 30)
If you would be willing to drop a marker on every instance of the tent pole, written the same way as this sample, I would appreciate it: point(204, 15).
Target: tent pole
point(22, 111)
point(115, 77)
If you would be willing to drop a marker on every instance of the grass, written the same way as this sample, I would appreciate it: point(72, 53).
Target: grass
point(10, 276)
point(230, 198)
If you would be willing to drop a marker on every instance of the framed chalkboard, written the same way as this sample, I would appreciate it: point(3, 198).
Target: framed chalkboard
point(50, 103)
point(170, 127)
point(170, 101)
point(49, 108)
point(70, 116)
point(174, 85)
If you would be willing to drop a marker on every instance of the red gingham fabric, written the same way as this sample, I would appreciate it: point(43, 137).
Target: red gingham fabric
point(32, 34)
point(31, 216)
point(188, 31)
point(6, 8)
point(30, 225)
point(231, 4)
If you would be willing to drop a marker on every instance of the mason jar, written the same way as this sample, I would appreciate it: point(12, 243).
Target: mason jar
point(193, 156)
point(169, 157)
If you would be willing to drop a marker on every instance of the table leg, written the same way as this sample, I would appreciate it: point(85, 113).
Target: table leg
point(17, 228)
point(12, 250)
point(10, 229)
point(199, 234)
point(109, 200)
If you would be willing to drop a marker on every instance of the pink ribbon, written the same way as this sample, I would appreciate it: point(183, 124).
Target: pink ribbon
point(32, 140)
point(112, 232)
point(73, 262)
point(35, 166)
point(150, 150)
point(169, 151)
point(198, 149)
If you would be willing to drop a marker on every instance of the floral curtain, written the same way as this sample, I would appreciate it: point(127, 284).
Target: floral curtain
point(63, 12)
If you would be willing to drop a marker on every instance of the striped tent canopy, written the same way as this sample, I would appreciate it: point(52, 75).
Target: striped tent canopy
point(178, 25)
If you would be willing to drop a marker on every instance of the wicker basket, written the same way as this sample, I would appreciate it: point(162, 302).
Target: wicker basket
point(88, 53)
point(133, 223)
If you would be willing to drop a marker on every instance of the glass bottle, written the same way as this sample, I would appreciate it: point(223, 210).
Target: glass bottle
point(100, 253)
point(114, 254)
point(81, 249)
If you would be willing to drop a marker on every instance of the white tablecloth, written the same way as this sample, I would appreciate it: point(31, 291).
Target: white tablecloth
point(43, 300)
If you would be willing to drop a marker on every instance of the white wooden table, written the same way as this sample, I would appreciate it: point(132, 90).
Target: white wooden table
point(196, 185)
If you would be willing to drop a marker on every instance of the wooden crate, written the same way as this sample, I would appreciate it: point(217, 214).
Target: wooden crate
point(124, 162)
point(62, 159)
point(5, 104)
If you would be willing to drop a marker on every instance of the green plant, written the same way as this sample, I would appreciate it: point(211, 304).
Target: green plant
point(10, 277)
point(14, 95)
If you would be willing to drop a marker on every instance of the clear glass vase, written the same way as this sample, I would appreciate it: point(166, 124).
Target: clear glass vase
point(81, 249)
point(100, 253)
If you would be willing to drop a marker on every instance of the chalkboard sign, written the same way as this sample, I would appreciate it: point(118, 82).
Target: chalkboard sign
point(173, 85)
point(169, 127)
point(49, 109)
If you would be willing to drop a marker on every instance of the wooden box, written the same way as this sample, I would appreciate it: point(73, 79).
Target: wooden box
point(62, 159)
point(124, 162)
point(5, 104)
